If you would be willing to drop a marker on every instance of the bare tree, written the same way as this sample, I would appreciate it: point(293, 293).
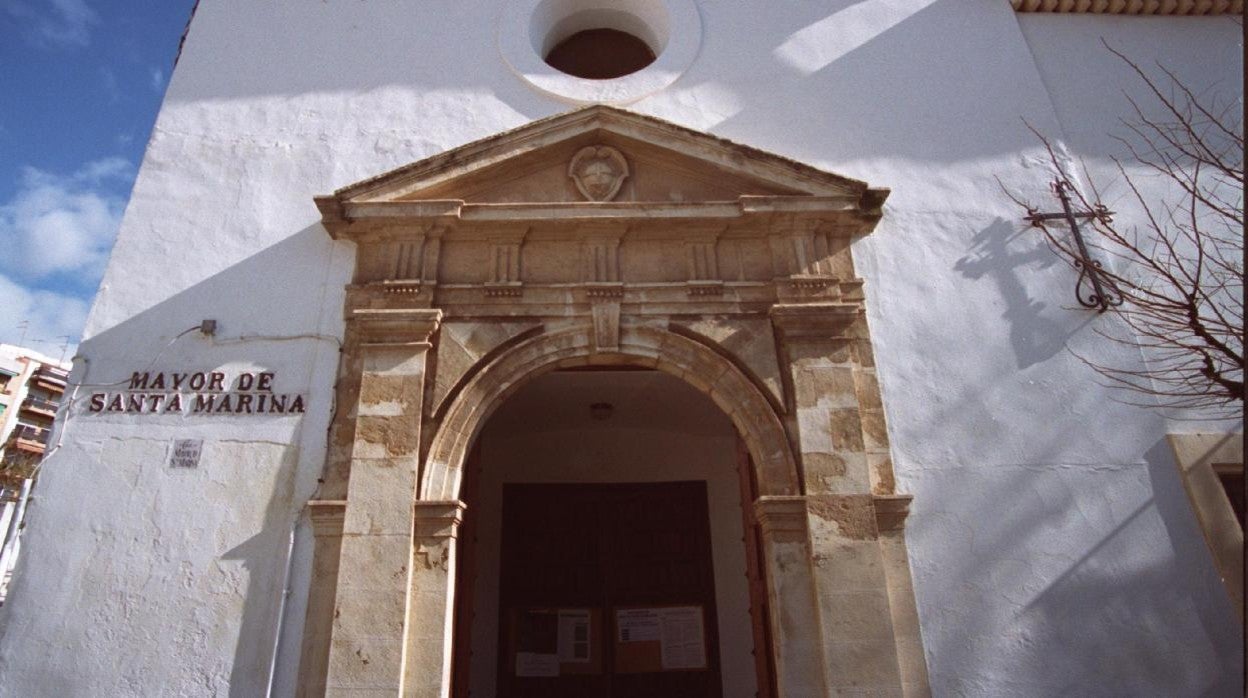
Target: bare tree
point(17, 467)
point(1175, 276)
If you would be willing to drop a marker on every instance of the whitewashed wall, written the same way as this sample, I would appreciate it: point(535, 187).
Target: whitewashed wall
point(1092, 93)
point(1052, 548)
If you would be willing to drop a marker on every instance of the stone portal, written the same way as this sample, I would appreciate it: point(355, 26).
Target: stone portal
point(727, 268)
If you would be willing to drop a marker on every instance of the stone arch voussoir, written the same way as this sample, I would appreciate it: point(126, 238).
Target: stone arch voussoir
point(698, 365)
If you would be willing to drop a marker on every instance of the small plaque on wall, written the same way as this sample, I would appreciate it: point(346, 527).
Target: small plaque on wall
point(185, 453)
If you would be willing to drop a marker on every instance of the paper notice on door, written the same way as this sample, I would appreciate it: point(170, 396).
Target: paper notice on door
point(637, 624)
point(681, 637)
point(573, 637)
point(536, 664)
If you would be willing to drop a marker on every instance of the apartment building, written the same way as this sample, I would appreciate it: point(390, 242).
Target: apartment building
point(31, 388)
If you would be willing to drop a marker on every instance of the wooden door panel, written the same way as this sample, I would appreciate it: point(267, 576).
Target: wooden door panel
point(606, 547)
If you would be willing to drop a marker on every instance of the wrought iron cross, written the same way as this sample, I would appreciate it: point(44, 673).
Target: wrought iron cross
point(1103, 293)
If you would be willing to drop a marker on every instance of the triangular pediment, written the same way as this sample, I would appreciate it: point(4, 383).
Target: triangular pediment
point(596, 161)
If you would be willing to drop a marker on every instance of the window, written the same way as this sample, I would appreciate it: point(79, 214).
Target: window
point(1231, 476)
point(608, 52)
point(600, 54)
point(1212, 469)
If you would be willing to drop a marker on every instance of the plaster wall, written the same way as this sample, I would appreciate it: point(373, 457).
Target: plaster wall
point(545, 434)
point(1093, 92)
point(1049, 537)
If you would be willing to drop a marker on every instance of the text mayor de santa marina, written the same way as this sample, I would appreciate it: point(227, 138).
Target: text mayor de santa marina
point(198, 392)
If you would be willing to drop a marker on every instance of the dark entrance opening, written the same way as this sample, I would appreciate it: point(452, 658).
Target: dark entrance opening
point(607, 590)
point(609, 546)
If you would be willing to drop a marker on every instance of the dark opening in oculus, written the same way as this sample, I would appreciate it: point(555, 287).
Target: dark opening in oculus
point(600, 54)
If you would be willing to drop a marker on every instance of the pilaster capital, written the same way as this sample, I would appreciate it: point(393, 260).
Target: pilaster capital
point(327, 516)
point(412, 326)
point(814, 320)
point(781, 515)
point(891, 511)
point(438, 519)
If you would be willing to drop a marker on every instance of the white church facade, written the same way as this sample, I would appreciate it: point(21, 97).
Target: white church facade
point(424, 367)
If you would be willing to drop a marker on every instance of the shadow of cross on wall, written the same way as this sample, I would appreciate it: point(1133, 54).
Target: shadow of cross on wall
point(1033, 336)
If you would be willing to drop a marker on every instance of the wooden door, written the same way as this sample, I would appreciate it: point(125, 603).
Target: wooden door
point(623, 569)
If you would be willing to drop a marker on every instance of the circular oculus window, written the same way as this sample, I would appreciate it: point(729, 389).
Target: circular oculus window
point(600, 54)
point(599, 51)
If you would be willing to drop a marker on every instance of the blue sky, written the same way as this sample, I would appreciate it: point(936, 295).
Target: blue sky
point(80, 84)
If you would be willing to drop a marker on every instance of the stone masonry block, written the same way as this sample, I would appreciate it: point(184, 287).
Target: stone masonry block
point(881, 468)
point(867, 388)
point(847, 565)
point(394, 360)
point(381, 492)
point(856, 615)
point(375, 561)
point(827, 386)
point(380, 611)
point(846, 429)
point(396, 436)
point(364, 662)
point(812, 430)
point(858, 665)
point(874, 430)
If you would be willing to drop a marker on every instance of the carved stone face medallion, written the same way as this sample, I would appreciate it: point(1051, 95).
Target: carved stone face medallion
point(598, 172)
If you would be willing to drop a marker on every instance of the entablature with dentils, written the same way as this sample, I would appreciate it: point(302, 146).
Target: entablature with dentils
point(602, 201)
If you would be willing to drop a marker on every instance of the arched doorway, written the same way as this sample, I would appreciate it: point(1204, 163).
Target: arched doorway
point(605, 549)
point(728, 269)
point(636, 345)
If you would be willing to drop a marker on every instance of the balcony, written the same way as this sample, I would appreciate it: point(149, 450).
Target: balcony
point(47, 408)
point(51, 377)
point(30, 439)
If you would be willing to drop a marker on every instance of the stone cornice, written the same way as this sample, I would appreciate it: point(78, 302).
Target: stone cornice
point(814, 320)
point(327, 516)
point(891, 511)
point(395, 326)
point(794, 211)
point(781, 514)
point(438, 519)
point(1133, 7)
point(445, 189)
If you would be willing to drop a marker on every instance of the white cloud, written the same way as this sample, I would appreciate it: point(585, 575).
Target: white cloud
point(63, 225)
point(50, 318)
point(54, 22)
point(105, 168)
point(158, 79)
